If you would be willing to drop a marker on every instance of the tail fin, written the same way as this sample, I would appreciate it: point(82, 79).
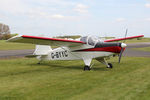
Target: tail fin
point(42, 50)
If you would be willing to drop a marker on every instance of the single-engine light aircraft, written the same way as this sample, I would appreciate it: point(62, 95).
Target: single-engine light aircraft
point(86, 48)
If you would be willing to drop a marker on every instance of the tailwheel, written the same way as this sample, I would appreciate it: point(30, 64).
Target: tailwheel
point(109, 65)
point(39, 63)
point(87, 68)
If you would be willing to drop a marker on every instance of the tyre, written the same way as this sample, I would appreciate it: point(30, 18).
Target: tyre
point(110, 65)
point(87, 68)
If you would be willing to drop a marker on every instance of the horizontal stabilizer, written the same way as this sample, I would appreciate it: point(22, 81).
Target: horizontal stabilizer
point(42, 50)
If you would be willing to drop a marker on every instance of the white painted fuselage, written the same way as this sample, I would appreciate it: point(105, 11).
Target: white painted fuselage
point(64, 53)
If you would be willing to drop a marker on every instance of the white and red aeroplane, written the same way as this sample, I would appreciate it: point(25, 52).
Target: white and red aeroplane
point(86, 48)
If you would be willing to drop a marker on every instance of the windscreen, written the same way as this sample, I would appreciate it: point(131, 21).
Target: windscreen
point(84, 39)
point(90, 40)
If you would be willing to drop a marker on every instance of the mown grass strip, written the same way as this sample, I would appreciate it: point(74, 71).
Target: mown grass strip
point(65, 80)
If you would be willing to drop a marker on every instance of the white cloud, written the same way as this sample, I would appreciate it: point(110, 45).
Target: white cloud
point(2, 16)
point(147, 19)
point(49, 9)
point(54, 2)
point(120, 19)
point(147, 5)
point(37, 14)
point(12, 6)
point(44, 9)
point(81, 8)
point(57, 16)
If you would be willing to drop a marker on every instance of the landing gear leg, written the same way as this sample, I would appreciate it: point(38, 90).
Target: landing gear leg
point(87, 64)
point(109, 65)
point(40, 59)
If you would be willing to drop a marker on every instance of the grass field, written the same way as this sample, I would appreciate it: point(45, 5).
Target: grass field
point(136, 41)
point(14, 46)
point(23, 79)
point(143, 49)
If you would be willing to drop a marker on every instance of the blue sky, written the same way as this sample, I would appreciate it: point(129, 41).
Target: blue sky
point(76, 17)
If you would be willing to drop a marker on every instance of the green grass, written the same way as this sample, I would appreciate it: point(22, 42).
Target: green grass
point(136, 41)
point(14, 46)
point(143, 49)
point(23, 79)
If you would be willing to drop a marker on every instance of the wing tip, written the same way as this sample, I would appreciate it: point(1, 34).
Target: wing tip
point(14, 38)
point(120, 39)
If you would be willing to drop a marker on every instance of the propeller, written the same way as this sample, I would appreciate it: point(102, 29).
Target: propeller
point(123, 45)
point(125, 35)
point(120, 55)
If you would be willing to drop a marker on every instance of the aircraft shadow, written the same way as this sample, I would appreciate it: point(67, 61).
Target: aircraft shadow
point(74, 67)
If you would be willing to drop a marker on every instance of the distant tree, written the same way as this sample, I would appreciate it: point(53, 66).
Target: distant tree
point(1, 28)
point(4, 32)
point(1, 36)
point(6, 36)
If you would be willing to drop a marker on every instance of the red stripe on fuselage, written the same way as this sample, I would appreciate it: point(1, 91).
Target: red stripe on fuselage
point(114, 49)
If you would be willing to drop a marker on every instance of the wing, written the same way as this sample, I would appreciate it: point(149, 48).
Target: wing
point(45, 41)
point(127, 38)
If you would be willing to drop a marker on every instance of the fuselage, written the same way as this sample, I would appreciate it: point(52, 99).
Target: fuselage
point(94, 48)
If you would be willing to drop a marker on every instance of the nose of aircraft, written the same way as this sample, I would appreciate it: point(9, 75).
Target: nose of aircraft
point(123, 45)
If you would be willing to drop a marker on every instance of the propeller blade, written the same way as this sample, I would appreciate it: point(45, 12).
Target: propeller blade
point(120, 55)
point(125, 35)
point(123, 45)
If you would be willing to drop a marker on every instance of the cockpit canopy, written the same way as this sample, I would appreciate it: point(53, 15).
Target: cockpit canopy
point(91, 40)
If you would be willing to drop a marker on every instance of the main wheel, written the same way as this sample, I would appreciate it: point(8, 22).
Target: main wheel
point(110, 65)
point(87, 68)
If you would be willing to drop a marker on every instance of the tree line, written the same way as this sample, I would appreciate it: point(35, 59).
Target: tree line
point(5, 32)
